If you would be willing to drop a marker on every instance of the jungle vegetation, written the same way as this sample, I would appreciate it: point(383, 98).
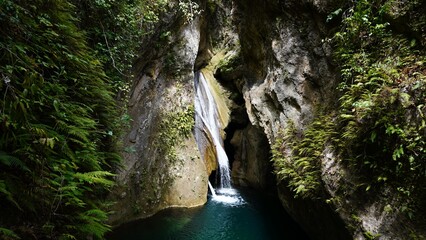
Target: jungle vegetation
point(63, 64)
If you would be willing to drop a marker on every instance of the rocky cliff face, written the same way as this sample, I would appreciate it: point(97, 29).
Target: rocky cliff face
point(285, 75)
point(162, 166)
point(282, 72)
point(274, 68)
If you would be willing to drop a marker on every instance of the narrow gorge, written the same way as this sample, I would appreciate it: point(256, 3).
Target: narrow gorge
point(118, 112)
point(271, 69)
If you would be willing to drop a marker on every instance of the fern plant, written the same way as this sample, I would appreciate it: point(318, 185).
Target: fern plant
point(297, 156)
point(382, 112)
point(378, 128)
point(58, 125)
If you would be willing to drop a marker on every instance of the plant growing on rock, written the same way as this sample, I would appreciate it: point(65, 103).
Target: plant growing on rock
point(382, 109)
point(297, 156)
point(379, 128)
point(174, 127)
point(189, 9)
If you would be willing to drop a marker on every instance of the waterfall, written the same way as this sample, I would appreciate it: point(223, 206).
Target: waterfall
point(208, 127)
point(212, 190)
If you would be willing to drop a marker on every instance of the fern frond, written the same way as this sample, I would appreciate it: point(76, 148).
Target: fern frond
point(8, 194)
point(67, 236)
point(12, 161)
point(96, 177)
point(93, 223)
point(8, 233)
point(79, 133)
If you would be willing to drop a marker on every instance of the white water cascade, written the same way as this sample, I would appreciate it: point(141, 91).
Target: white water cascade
point(208, 127)
point(207, 133)
point(212, 190)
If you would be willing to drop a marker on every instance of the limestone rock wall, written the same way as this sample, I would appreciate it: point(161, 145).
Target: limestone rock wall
point(162, 166)
point(287, 73)
point(251, 166)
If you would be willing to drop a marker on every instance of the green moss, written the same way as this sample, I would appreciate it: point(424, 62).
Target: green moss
point(370, 235)
point(136, 208)
point(211, 4)
point(230, 63)
point(173, 129)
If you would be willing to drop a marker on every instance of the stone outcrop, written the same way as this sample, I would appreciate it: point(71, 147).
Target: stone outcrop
point(162, 166)
point(251, 166)
point(287, 74)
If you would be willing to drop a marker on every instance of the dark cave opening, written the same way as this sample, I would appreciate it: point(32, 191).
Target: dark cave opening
point(246, 146)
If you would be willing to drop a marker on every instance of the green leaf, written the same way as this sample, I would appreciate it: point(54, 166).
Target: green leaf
point(56, 105)
point(332, 15)
point(8, 233)
point(12, 161)
point(373, 136)
point(9, 196)
point(405, 99)
point(97, 177)
point(398, 152)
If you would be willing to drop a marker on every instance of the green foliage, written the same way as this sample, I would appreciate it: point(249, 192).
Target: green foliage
point(297, 157)
point(189, 9)
point(371, 236)
point(174, 127)
point(116, 30)
point(379, 128)
point(8, 234)
point(229, 65)
point(334, 14)
point(382, 113)
point(57, 124)
point(61, 64)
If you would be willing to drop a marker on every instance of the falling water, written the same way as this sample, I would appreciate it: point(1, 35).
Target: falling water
point(212, 190)
point(208, 127)
point(221, 217)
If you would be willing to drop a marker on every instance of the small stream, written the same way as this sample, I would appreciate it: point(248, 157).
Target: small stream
point(239, 214)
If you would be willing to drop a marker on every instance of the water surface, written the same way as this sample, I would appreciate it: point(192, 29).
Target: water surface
point(230, 215)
